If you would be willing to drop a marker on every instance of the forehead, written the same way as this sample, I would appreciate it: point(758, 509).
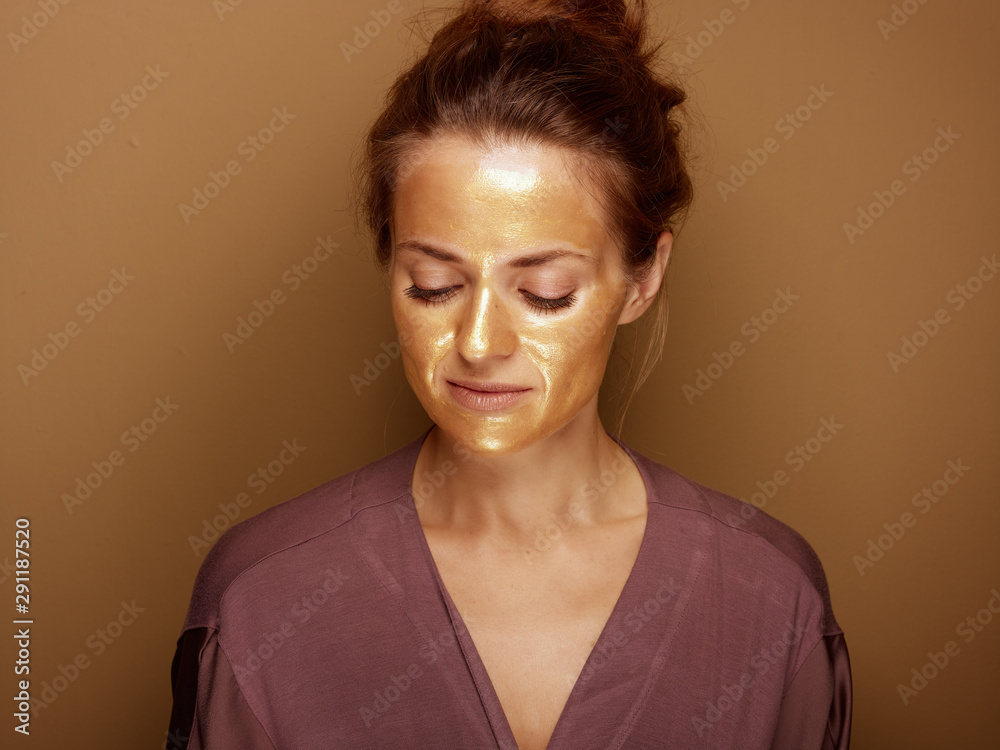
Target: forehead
point(498, 198)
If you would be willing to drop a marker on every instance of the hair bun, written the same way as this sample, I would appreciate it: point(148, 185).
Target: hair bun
point(618, 20)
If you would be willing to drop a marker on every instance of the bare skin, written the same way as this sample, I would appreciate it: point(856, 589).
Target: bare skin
point(533, 611)
point(466, 220)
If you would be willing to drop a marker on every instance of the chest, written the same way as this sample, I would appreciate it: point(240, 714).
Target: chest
point(535, 625)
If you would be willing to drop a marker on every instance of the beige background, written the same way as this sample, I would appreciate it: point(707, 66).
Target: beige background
point(64, 233)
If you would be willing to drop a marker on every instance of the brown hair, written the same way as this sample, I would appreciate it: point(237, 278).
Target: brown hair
point(576, 74)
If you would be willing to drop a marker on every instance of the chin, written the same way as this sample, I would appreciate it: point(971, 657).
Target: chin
point(492, 436)
point(485, 436)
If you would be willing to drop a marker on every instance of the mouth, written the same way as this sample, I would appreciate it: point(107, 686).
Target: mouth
point(486, 396)
point(488, 387)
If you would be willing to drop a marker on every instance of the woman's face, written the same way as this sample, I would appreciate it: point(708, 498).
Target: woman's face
point(503, 279)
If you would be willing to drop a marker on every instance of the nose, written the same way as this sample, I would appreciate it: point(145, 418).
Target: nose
point(485, 328)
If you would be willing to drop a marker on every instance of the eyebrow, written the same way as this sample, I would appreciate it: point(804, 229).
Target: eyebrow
point(522, 261)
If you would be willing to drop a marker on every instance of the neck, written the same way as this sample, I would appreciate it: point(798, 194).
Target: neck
point(578, 475)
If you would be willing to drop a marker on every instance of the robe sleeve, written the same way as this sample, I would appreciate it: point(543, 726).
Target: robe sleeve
point(816, 709)
point(209, 710)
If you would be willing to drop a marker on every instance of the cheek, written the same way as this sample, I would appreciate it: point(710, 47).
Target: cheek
point(422, 344)
point(573, 352)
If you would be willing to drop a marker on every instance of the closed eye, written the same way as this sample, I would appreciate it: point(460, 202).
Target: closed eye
point(545, 304)
point(541, 304)
point(429, 295)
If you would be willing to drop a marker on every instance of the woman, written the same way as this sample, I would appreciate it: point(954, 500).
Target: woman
point(516, 577)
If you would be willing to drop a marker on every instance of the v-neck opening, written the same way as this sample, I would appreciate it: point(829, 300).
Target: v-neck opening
point(491, 701)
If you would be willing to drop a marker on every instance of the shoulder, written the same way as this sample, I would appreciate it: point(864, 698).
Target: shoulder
point(301, 521)
point(743, 534)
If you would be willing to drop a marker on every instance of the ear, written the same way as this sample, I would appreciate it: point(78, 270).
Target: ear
point(640, 295)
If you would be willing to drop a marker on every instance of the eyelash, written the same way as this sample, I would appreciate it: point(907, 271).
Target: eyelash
point(542, 304)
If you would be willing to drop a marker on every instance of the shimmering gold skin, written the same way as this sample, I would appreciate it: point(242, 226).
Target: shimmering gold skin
point(487, 207)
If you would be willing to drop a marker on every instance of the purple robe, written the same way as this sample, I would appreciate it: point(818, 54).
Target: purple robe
point(324, 623)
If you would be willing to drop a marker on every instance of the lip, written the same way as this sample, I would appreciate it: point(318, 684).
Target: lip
point(488, 387)
point(485, 396)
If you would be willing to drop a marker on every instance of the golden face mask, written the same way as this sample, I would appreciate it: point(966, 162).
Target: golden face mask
point(502, 275)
